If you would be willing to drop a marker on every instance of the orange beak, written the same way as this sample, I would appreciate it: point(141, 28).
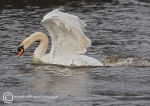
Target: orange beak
point(20, 51)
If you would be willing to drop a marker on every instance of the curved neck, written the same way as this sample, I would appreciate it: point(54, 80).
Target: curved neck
point(37, 36)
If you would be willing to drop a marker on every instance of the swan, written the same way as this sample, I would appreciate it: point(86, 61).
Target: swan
point(69, 43)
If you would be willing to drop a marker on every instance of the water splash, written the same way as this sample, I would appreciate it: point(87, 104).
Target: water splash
point(130, 61)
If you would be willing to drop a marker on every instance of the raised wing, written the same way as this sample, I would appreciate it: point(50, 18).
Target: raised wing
point(67, 33)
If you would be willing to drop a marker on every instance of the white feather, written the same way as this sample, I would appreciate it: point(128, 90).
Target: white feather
point(67, 33)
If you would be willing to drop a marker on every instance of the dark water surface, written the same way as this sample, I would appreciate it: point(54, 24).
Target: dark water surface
point(120, 34)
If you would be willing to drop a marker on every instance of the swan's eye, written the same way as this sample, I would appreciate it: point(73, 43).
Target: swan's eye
point(20, 48)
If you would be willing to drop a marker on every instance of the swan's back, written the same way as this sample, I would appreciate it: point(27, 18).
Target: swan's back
point(67, 33)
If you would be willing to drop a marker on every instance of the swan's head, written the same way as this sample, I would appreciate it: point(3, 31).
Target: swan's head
point(27, 42)
point(20, 51)
point(24, 45)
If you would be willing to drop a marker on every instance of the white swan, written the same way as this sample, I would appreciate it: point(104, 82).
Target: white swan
point(68, 41)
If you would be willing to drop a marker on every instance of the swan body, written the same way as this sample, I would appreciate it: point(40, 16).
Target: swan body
point(68, 40)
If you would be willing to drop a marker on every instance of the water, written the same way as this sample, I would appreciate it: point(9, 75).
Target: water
point(119, 31)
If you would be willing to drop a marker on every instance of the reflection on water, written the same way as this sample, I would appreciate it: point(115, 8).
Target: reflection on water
point(55, 78)
point(119, 30)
